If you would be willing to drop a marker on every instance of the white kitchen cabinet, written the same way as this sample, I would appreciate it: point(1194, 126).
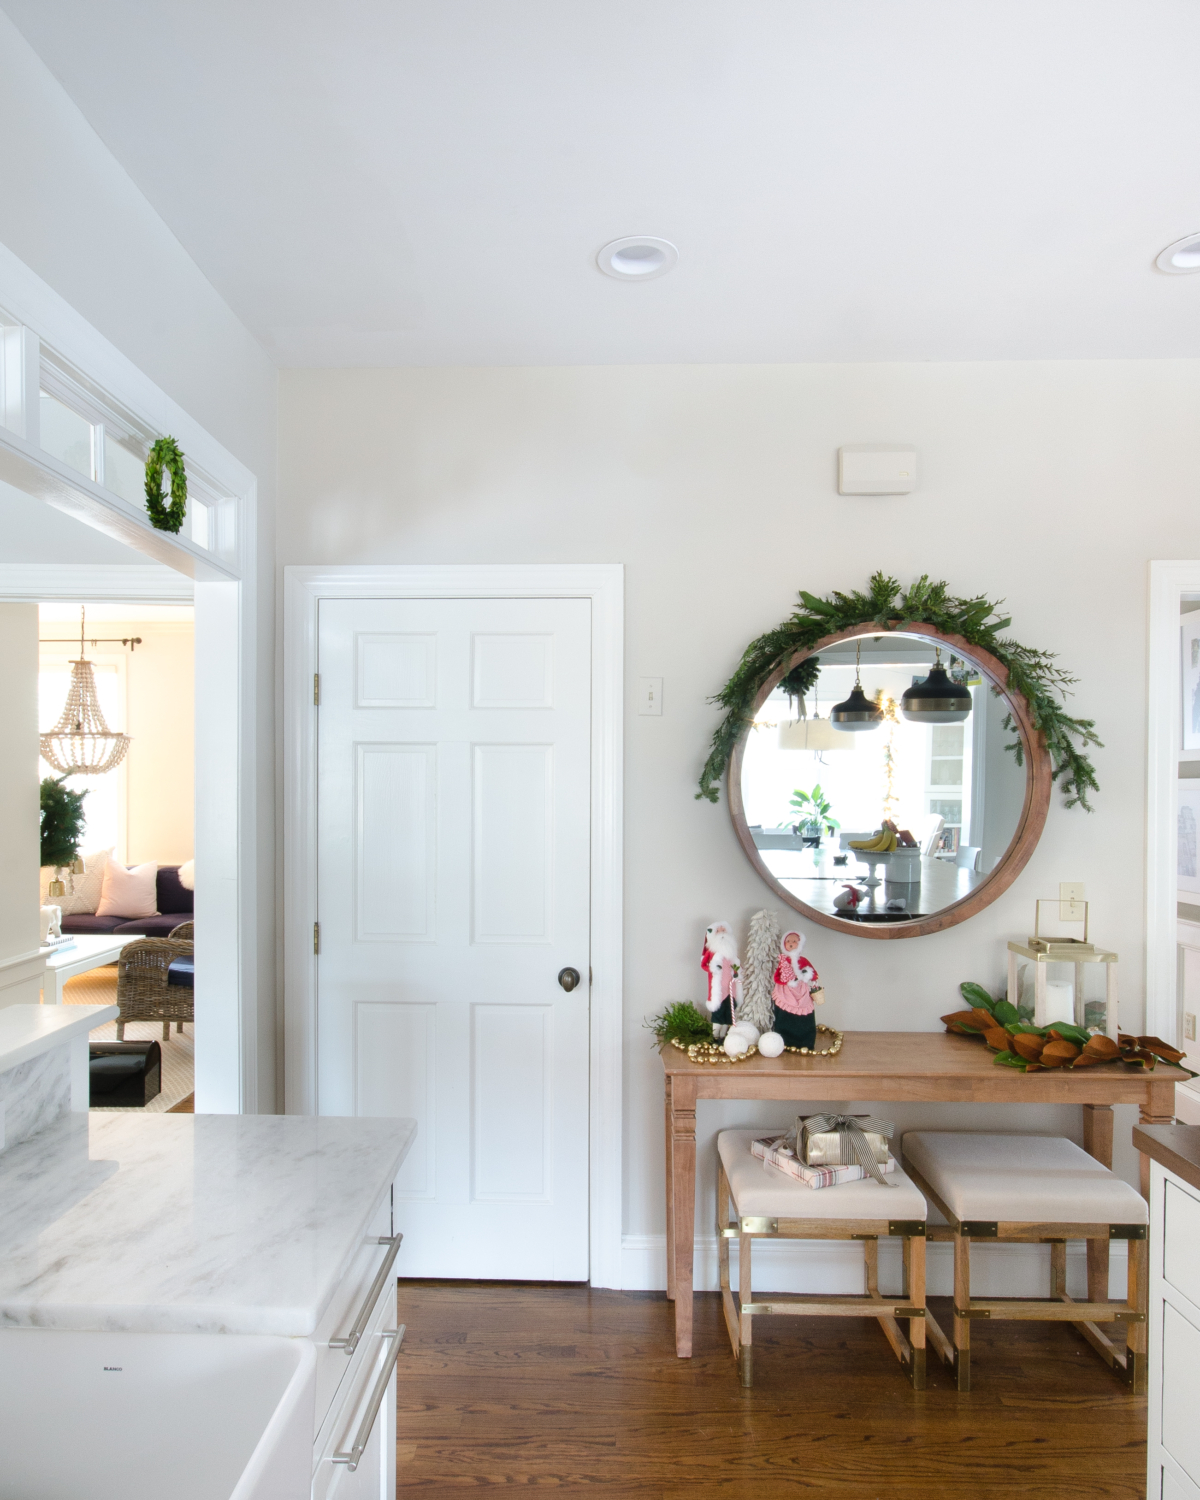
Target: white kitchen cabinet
point(357, 1345)
point(1173, 1439)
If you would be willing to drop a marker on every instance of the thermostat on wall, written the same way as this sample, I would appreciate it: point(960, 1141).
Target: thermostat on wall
point(876, 469)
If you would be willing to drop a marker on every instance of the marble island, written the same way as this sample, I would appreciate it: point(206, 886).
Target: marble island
point(188, 1223)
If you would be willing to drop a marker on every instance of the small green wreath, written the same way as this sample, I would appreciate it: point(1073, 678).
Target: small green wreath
point(1031, 672)
point(165, 454)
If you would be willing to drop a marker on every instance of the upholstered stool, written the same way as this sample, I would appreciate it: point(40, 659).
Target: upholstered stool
point(767, 1204)
point(1041, 1189)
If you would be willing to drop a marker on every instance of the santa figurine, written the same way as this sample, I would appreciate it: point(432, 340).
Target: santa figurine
point(797, 990)
point(720, 962)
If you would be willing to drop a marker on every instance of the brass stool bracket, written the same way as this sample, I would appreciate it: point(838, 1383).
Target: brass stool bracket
point(975, 1312)
point(908, 1312)
point(979, 1229)
point(1127, 1231)
point(758, 1226)
point(729, 1232)
point(907, 1227)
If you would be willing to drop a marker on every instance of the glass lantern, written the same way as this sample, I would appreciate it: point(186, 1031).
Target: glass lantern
point(1067, 985)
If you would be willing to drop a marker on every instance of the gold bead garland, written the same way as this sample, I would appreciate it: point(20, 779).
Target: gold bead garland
point(712, 1052)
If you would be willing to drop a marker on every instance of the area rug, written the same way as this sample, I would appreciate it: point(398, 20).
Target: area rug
point(99, 987)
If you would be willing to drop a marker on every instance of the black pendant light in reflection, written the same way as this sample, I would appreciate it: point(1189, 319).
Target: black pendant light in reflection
point(937, 700)
point(856, 712)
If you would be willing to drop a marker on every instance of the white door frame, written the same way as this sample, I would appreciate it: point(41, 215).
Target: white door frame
point(234, 1071)
point(1169, 581)
point(604, 585)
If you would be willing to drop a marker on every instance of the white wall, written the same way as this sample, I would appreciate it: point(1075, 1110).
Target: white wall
point(72, 214)
point(20, 813)
point(1048, 485)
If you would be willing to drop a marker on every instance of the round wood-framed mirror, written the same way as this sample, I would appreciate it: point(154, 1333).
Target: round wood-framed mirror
point(803, 793)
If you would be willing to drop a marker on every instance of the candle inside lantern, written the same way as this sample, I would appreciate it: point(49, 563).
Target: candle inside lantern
point(1060, 1002)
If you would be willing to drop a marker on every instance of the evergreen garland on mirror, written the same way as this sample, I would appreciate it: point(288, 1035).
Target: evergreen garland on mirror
point(1031, 672)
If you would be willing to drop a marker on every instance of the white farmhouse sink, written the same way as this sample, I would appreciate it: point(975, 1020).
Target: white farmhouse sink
point(146, 1416)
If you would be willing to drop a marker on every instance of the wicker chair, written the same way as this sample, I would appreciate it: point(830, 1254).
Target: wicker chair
point(143, 993)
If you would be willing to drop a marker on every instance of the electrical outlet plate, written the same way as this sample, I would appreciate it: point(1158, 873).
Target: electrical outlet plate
point(1070, 901)
point(1189, 1026)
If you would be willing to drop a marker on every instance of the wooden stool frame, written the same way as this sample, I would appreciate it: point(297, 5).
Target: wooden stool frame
point(741, 1311)
point(1129, 1362)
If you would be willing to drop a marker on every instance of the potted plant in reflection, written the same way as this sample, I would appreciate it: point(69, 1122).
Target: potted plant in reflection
point(813, 816)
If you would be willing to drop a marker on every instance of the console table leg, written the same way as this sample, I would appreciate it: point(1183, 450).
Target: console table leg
point(683, 1213)
point(670, 1193)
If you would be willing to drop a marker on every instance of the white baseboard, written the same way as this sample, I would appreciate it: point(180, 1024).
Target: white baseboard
point(836, 1267)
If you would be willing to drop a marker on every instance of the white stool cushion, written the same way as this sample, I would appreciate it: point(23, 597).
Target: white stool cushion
point(760, 1191)
point(1023, 1178)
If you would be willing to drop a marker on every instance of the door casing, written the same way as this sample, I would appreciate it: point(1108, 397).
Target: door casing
point(604, 585)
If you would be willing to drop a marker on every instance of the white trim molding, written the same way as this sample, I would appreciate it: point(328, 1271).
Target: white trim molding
point(1169, 582)
point(604, 585)
point(836, 1267)
point(221, 581)
point(148, 583)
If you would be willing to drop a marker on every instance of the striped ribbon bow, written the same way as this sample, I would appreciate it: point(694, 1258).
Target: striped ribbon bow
point(851, 1127)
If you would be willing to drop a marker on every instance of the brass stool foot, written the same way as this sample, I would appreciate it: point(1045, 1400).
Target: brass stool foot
point(917, 1371)
point(746, 1364)
point(962, 1363)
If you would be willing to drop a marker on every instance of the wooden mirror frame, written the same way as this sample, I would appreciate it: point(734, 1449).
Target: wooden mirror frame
point(1038, 784)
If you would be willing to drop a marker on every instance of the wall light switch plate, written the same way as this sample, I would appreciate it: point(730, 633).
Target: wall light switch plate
point(877, 469)
point(650, 695)
point(1189, 1026)
point(1070, 901)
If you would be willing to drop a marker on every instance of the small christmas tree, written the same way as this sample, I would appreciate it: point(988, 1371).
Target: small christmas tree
point(62, 823)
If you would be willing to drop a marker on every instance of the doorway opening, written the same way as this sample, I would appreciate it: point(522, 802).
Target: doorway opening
point(113, 940)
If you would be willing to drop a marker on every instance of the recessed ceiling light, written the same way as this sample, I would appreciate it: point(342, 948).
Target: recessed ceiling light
point(1182, 257)
point(639, 257)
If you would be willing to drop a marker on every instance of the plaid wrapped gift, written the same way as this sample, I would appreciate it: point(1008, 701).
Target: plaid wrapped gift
point(779, 1151)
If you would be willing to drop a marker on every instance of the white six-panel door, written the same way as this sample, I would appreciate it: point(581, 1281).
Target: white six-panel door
point(453, 870)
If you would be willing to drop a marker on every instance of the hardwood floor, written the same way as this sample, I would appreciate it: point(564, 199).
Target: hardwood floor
point(577, 1392)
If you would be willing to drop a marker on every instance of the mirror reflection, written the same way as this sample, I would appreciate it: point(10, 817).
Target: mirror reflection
point(889, 804)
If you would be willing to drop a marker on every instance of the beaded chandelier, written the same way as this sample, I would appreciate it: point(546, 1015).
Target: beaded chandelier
point(81, 743)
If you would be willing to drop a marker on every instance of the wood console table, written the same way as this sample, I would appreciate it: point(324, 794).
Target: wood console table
point(877, 1067)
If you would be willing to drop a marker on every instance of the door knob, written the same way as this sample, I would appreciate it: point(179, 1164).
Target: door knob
point(568, 978)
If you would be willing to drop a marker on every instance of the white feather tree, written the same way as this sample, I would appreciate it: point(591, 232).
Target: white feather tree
point(758, 970)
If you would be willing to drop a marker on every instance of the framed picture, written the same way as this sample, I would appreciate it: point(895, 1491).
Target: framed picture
point(1191, 681)
point(1189, 837)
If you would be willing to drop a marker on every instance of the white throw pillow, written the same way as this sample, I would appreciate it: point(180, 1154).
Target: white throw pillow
point(83, 891)
point(129, 893)
point(187, 875)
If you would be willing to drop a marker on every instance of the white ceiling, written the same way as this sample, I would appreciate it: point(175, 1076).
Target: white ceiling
point(380, 182)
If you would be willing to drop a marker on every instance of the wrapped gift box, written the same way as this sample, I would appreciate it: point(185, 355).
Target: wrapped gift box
point(833, 1148)
point(778, 1151)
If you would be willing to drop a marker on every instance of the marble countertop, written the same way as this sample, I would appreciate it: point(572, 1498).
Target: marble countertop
point(188, 1223)
point(27, 1030)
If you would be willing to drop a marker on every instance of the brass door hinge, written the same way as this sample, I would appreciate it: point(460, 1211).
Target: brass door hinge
point(316, 689)
point(316, 937)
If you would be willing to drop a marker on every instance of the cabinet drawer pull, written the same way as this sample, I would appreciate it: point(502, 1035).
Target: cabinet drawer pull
point(350, 1342)
point(363, 1436)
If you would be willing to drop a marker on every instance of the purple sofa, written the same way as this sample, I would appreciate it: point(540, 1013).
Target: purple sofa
point(174, 904)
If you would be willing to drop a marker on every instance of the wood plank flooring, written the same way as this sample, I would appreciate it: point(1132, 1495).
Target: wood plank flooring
point(577, 1392)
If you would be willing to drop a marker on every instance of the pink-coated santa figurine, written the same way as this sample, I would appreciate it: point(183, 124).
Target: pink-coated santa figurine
point(720, 962)
point(797, 990)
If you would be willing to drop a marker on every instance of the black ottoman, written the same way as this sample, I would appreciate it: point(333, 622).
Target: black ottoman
point(124, 1073)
